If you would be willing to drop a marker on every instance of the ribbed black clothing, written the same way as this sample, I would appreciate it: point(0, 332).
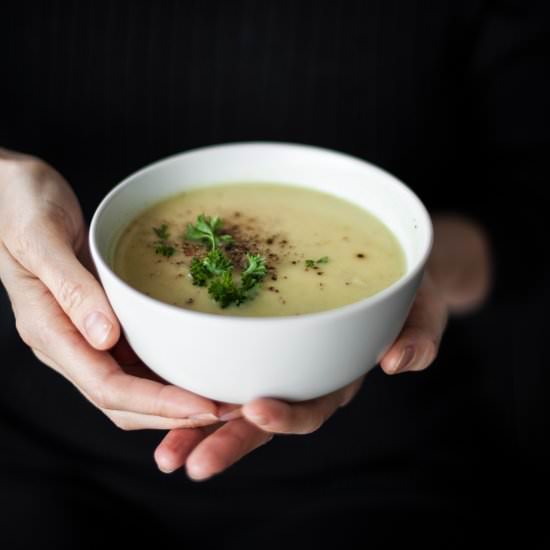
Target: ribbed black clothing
point(452, 97)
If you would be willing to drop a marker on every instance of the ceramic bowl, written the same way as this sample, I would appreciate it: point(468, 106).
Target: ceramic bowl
point(236, 359)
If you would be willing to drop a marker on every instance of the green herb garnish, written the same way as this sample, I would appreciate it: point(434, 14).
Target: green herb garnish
point(254, 272)
point(161, 246)
point(217, 263)
point(206, 230)
point(314, 263)
point(164, 249)
point(215, 270)
point(224, 290)
point(162, 232)
point(199, 273)
point(214, 263)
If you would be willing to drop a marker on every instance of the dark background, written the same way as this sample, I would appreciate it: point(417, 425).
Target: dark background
point(452, 97)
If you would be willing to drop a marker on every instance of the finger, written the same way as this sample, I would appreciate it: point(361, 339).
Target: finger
point(46, 251)
point(173, 450)
point(113, 389)
point(416, 347)
point(96, 373)
point(135, 421)
point(223, 448)
point(130, 421)
point(229, 412)
point(305, 417)
point(109, 387)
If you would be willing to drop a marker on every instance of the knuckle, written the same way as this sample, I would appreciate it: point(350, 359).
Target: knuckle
point(163, 396)
point(24, 244)
point(29, 168)
point(37, 325)
point(100, 396)
point(17, 166)
point(71, 295)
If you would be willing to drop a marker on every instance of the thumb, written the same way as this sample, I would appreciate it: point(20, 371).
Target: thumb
point(77, 291)
point(418, 344)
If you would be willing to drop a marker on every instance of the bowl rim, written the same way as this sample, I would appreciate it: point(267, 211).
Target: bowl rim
point(345, 310)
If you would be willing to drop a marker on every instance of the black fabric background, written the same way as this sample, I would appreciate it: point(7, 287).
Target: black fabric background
point(452, 97)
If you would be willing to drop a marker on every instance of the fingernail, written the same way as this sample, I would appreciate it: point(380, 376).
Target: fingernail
point(231, 415)
point(97, 327)
point(204, 417)
point(406, 359)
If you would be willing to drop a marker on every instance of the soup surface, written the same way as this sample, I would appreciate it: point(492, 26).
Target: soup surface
point(321, 252)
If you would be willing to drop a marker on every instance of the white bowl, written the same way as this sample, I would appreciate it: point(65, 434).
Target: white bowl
point(236, 359)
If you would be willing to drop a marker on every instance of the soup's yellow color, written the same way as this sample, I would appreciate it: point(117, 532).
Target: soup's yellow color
point(289, 225)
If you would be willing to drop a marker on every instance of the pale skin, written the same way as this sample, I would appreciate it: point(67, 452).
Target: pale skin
point(63, 315)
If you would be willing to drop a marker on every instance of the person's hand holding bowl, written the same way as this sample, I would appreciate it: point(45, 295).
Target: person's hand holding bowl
point(64, 315)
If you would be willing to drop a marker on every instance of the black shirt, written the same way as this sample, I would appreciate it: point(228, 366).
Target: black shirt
point(451, 96)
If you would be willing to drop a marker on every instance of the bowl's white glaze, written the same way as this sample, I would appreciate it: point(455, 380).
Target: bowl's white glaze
point(236, 359)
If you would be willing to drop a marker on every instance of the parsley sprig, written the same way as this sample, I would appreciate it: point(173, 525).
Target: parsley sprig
point(215, 270)
point(162, 232)
point(161, 246)
point(224, 290)
point(313, 264)
point(254, 272)
point(213, 264)
point(206, 230)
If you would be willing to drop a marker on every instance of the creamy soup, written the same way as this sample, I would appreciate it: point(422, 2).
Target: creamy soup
point(320, 252)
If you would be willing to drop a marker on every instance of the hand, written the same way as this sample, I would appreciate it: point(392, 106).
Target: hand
point(64, 316)
point(61, 311)
point(206, 452)
point(458, 279)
